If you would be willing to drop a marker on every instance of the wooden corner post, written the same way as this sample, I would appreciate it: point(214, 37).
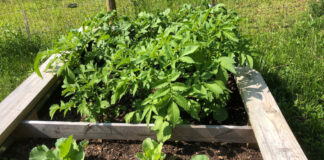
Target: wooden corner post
point(213, 3)
point(111, 5)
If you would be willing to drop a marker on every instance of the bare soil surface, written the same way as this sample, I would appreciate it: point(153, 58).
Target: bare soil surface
point(126, 150)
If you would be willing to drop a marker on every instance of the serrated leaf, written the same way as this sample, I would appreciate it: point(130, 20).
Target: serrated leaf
point(187, 59)
point(189, 50)
point(227, 63)
point(230, 35)
point(83, 108)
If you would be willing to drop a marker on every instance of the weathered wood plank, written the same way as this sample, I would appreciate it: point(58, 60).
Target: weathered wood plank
point(275, 139)
point(122, 131)
point(19, 103)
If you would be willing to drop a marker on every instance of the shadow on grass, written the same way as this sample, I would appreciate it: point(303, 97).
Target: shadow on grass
point(306, 124)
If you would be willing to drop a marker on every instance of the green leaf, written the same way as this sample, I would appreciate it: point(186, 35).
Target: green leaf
point(194, 109)
point(189, 50)
point(187, 59)
point(177, 86)
point(36, 64)
point(214, 87)
point(104, 104)
point(174, 113)
point(162, 128)
point(147, 144)
point(161, 83)
point(227, 63)
point(181, 101)
point(200, 157)
point(148, 116)
point(250, 61)
point(174, 76)
point(230, 35)
point(53, 155)
point(64, 146)
point(129, 116)
point(222, 74)
point(161, 92)
point(38, 153)
point(53, 109)
point(220, 114)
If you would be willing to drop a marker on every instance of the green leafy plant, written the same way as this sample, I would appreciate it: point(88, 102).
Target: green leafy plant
point(152, 150)
point(66, 149)
point(156, 67)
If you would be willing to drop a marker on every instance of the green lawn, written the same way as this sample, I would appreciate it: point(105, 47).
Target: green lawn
point(289, 39)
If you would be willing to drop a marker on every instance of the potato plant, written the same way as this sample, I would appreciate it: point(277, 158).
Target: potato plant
point(156, 67)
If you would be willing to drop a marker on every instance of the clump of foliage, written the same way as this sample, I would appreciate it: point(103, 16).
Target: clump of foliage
point(152, 150)
point(157, 66)
point(66, 149)
point(317, 8)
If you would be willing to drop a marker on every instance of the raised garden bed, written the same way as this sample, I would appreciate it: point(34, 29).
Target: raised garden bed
point(164, 64)
point(256, 97)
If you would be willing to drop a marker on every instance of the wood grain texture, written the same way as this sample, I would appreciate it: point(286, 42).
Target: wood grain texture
point(15, 107)
point(123, 131)
point(275, 139)
point(111, 5)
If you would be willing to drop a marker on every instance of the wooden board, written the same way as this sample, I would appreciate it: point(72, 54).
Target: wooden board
point(123, 131)
point(15, 107)
point(275, 139)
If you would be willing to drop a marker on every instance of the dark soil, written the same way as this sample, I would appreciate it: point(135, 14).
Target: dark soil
point(125, 150)
point(235, 108)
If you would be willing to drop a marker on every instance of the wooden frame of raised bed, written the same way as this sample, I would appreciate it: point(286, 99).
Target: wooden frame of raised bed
point(268, 126)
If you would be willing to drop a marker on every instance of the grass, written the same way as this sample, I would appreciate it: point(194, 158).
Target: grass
point(289, 38)
point(47, 21)
point(293, 66)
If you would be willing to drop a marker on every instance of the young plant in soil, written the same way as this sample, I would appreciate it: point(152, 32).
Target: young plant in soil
point(152, 150)
point(66, 149)
point(156, 67)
